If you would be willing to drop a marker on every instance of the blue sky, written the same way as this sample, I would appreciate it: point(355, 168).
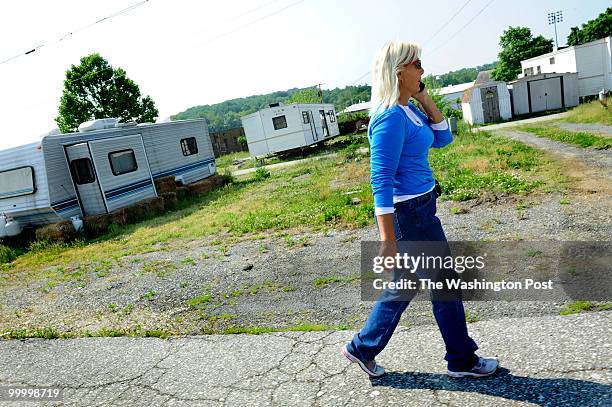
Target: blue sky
point(185, 53)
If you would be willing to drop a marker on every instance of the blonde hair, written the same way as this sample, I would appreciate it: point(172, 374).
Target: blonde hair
point(388, 62)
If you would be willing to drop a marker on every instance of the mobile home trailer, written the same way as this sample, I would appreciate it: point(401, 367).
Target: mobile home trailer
point(98, 171)
point(287, 127)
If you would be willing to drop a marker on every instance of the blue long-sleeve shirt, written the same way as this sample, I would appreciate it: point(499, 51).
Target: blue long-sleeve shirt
point(400, 139)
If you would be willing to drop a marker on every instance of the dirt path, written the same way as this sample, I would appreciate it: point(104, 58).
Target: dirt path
point(598, 129)
point(600, 160)
point(519, 122)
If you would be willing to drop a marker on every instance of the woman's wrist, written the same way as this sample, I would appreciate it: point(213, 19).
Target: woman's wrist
point(431, 109)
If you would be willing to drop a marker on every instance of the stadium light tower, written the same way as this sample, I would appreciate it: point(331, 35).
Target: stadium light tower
point(554, 18)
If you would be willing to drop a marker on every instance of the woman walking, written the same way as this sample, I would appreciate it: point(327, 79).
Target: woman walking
point(403, 185)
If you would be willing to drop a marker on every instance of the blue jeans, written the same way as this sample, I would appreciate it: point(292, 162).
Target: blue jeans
point(416, 220)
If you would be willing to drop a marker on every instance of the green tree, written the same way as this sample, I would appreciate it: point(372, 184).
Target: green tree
point(304, 96)
point(600, 27)
point(518, 44)
point(95, 90)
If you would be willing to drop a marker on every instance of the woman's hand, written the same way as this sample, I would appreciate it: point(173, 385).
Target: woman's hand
point(422, 96)
point(388, 248)
point(388, 244)
point(430, 107)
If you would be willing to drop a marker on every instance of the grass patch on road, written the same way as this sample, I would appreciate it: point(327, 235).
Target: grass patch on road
point(139, 332)
point(592, 112)
point(577, 307)
point(580, 138)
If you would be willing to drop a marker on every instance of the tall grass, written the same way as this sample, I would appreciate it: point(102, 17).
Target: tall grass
point(592, 112)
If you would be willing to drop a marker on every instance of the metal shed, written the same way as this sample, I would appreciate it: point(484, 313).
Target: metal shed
point(487, 101)
point(549, 91)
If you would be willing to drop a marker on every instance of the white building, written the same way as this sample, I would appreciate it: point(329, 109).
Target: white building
point(592, 61)
point(452, 93)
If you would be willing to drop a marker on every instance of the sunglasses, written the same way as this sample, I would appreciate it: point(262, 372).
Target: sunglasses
point(416, 63)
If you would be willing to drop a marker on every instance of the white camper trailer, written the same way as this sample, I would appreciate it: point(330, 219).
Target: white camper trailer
point(104, 167)
point(281, 128)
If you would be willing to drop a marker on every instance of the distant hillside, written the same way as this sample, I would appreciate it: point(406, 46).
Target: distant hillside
point(226, 115)
point(462, 75)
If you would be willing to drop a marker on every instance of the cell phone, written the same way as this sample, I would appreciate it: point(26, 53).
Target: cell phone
point(421, 86)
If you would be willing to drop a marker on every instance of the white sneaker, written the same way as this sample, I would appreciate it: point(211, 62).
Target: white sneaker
point(376, 372)
point(484, 367)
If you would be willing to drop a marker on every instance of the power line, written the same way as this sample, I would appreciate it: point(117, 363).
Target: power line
point(210, 39)
point(110, 68)
point(464, 26)
point(248, 24)
point(446, 23)
point(452, 36)
point(71, 33)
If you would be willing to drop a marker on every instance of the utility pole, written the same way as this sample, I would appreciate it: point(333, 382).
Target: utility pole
point(320, 92)
point(554, 18)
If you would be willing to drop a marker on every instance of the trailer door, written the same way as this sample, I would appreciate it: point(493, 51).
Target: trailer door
point(324, 123)
point(85, 179)
point(313, 127)
point(123, 168)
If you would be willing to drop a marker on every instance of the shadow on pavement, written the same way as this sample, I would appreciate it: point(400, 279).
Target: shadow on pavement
point(545, 391)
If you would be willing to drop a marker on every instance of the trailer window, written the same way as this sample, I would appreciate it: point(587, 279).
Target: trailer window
point(189, 146)
point(82, 171)
point(17, 182)
point(122, 162)
point(332, 116)
point(305, 117)
point(279, 122)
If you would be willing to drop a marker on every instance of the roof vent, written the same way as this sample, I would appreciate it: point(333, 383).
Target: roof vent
point(127, 124)
point(97, 124)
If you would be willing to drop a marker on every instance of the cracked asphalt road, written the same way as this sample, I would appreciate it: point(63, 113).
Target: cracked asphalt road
point(546, 361)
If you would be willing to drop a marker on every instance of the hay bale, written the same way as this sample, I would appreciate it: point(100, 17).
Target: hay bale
point(181, 192)
point(119, 216)
point(61, 232)
point(170, 199)
point(96, 225)
point(165, 184)
point(152, 206)
point(200, 187)
point(135, 212)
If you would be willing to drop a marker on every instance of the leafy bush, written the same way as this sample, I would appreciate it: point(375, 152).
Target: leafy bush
point(352, 117)
point(228, 178)
point(261, 174)
point(7, 254)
